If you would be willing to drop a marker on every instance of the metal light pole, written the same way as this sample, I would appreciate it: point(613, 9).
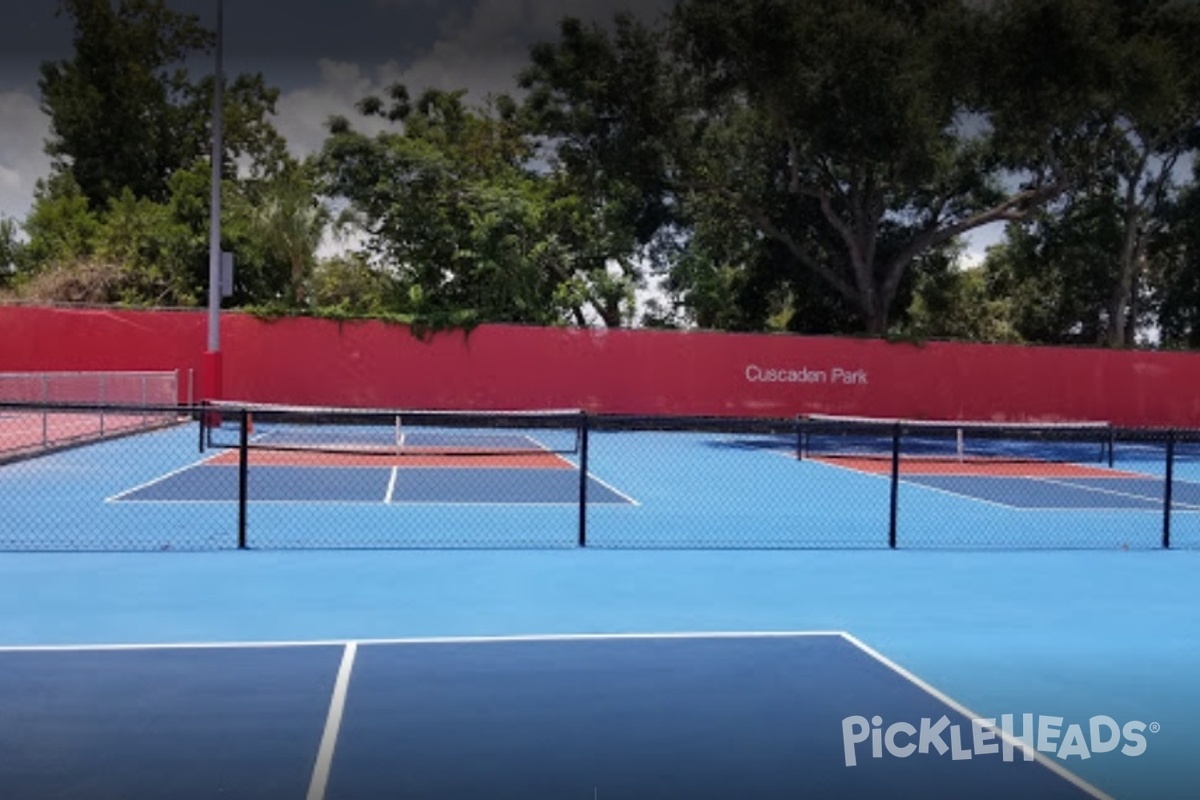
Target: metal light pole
point(212, 370)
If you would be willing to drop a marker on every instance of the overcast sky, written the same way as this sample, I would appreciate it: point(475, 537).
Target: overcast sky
point(324, 55)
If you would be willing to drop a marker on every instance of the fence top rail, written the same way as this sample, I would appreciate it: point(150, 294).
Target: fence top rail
point(17, 406)
point(833, 420)
point(88, 373)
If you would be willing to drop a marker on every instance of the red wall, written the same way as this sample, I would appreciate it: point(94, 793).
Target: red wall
point(306, 361)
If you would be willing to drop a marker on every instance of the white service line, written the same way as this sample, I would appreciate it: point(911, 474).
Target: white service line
point(959, 708)
point(333, 723)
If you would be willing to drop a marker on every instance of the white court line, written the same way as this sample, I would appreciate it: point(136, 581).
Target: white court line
point(958, 707)
point(391, 487)
point(337, 702)
point(629, 499)
point(887, 477)
point(1175, 505)
point(201, 462)
point(1115, 493)
point(590, 475)
point(333, 724)
point(417, 640)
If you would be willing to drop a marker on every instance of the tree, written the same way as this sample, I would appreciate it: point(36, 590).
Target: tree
point(963, 304)
point(11, 249)
point(289, 222)
point(60, 226)
point(127, 203)
point(448, 205)
point(599, 109)
point(347, 285)
point(115, 108)
point(125, 113)
point(1175, 271)
point(857, 137)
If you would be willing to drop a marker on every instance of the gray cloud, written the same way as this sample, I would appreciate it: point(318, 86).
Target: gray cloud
point(22, 156)
point(324, 56)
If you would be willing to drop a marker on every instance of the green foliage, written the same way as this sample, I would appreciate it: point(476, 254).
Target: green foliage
point(1175, 266)
point(350, 286)
point(61, 227)
point(126, 115)
point(960, 304)
point(1059, 271)
point(12, 250)
point(831, 129)
point(450, 209)
point(286, 222)
point(117, 108)
point(773, 165)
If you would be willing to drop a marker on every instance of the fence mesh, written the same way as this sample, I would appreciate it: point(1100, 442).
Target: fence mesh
point(49, 410)
point(259, 477)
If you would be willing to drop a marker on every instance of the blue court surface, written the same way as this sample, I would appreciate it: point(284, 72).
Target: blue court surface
point(431, 629)
point(709, 716)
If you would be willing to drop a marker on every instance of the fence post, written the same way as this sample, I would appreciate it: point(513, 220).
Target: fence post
point(895, 498)
point(201, 417)
point(103, 400)
point(583, 477)
point(1168, 490)
point(243, 469)
point(45, 412)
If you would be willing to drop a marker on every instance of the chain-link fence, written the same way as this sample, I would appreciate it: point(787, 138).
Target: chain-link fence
point(270, 477)
point(108, 404)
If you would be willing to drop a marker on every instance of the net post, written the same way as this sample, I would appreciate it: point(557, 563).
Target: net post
point(1111, 442)
point(799, 437)
point(203, 419)
point(895, 486)
point(243, 469)
point(1168, 490)
point(583, 476)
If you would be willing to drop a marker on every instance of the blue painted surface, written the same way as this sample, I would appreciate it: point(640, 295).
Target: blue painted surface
point(169, 723)
point(749, 718)
point(1183, 493)
point(492, 485)
point(1070, 633)
point(267, 484)
point(699, 718)
point(1033, 493)
point(1075, 633)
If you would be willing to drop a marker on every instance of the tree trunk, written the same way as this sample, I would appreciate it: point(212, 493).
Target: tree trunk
point(1119, 307)
point(876, 312)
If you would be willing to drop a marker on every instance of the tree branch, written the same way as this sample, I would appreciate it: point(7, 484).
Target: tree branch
point(764, 224)
point(1014, 209)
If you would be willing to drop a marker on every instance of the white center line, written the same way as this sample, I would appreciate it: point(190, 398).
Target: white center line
point(333, 722)
point(391, 490)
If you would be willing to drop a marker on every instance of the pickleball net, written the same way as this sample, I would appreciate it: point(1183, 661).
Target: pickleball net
point(391, 432)
point(859, 438)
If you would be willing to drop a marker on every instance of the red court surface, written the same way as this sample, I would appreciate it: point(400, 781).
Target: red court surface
point(22, 432)
point(407, 459)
